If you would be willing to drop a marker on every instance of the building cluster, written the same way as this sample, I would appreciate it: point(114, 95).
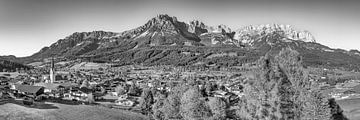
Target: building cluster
point(119, 87)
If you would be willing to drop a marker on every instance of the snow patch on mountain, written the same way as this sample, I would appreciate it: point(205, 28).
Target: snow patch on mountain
point(142, 35)
point(327, 50)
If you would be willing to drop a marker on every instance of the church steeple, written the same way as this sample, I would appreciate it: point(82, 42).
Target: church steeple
point(52, 71)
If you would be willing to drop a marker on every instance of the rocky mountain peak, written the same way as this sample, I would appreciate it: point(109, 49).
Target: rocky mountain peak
point(247, 33)
point(222, 28)
point(163, 17)
point(198, 27)
point(160, 22)
point(90, 35)
point(197, 23)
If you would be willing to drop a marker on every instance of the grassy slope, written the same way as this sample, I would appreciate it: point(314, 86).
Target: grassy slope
point(66, 112)
point(351, 108)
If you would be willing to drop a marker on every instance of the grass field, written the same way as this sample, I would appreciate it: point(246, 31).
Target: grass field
point(351, 108)
point(55, 111)
point(11, 74)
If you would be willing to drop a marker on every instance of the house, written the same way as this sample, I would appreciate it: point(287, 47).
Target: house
point(127, 103)
point(76, 94)
point(29, 89)
point(123, 97)
point(49, 87)
point(92, 83)
point(80, 94)
point(229, 97)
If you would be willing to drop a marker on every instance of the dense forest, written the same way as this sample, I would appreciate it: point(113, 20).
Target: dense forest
point(8, 66)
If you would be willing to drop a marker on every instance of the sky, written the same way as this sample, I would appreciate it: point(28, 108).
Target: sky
point(26, 26)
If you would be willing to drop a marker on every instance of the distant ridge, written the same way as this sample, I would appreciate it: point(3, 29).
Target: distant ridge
point(165, 40)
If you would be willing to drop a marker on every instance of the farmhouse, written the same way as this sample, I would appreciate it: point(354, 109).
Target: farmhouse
point(49, 87)
point(28, 89)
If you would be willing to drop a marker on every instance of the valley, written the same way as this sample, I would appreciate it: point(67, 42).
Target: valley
point(169, 69)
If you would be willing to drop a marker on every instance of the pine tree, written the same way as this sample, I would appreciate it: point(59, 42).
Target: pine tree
point(85, 84)
point(157, 108)
point(282, 90)
point(336, 111)
point(261, 100)
point(171, 108)
point(146, 101)
point(306, 100)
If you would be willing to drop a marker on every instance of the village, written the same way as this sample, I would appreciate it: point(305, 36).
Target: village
point(112, 87)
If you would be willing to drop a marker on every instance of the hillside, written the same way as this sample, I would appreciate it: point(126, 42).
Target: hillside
point(8, 65)
point(54, 111)
point(165, 40)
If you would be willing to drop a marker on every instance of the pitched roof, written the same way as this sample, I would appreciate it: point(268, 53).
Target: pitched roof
point(28, 88)
point(356, 89)
point(50, 86)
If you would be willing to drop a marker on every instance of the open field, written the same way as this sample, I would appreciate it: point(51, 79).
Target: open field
point(11, 74)
point(55, 111)
point(89, 65)
point(351, 108)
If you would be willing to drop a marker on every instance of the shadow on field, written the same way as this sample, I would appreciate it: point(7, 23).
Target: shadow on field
point(37, 105)
point(66, 102)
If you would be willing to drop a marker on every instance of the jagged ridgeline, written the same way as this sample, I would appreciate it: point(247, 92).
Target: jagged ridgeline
point(166, 40)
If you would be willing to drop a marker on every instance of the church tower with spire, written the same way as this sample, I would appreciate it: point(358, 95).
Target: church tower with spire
point(52, 71)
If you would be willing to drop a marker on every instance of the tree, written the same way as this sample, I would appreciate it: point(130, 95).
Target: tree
point(261, 100)
point(172, 103)
point(120, 90)
point(208, 88)
point(134, 90)
point(157, 108)
point(218, 108)
point(85, 83)
point(146, 100)
point(171, 108)
point(308, 102)
point(282, 90)
point(90, 98)
point(192, 106)
point(336, 111)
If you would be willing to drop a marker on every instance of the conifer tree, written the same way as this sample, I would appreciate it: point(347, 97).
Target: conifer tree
point(281, 90)
point(308, 102)
point(146, 101)
point(171, 108)
point(261, 100)
point(158, 106)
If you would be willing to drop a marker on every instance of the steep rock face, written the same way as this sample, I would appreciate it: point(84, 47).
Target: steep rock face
point(77, 44)
point(212, 36)
point(162, 30)
point(198, 27)
point(163, 38)
point(249, 34)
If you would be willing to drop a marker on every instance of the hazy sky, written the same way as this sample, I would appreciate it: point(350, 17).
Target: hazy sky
point(28, 25)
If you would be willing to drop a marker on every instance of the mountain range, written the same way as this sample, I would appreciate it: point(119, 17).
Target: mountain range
point(165, 40)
